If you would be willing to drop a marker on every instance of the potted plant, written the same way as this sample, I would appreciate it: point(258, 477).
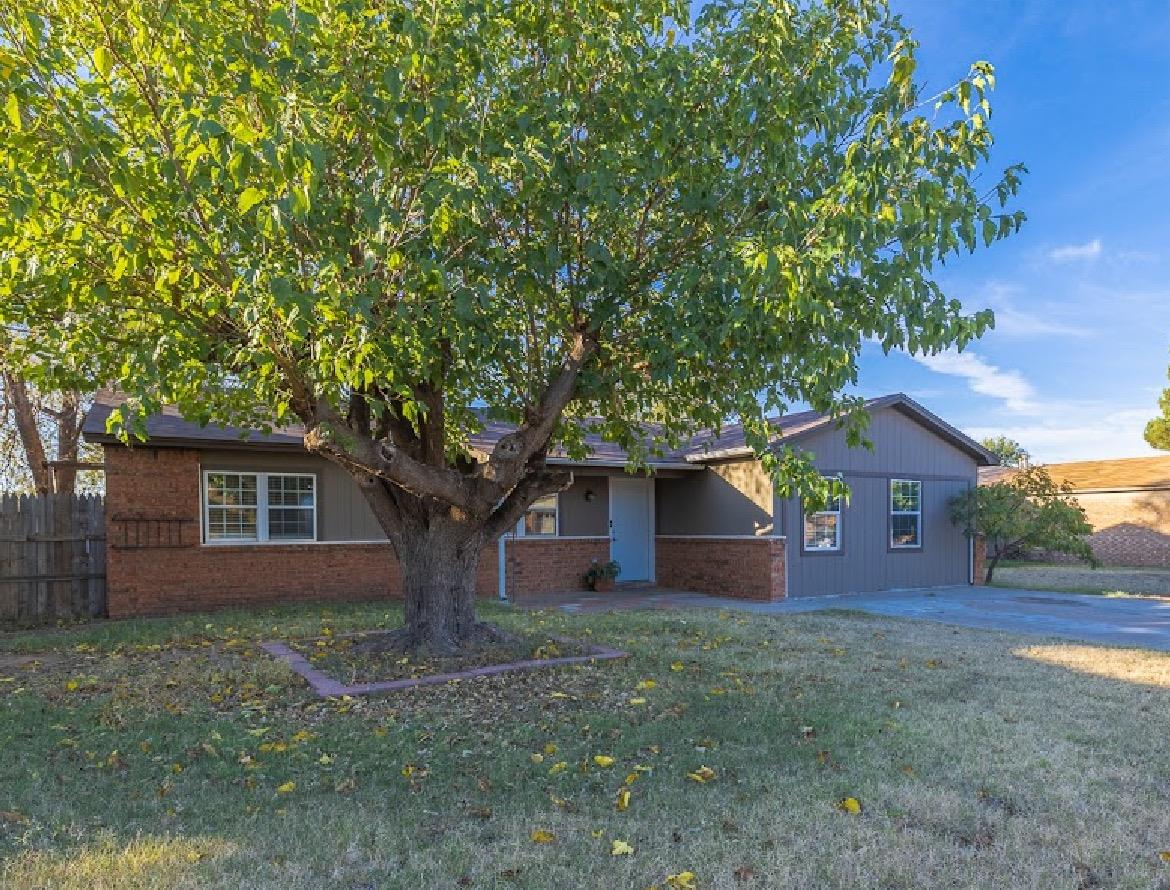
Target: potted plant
point(601, 575)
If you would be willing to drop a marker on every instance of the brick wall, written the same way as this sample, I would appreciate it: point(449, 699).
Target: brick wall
point(550, 565)
point(746, 568)
point(979, 562)
point(157, 566)
point(1130, 528)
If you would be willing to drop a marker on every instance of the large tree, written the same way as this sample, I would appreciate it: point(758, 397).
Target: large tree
point(40, 435)
point(373, 217)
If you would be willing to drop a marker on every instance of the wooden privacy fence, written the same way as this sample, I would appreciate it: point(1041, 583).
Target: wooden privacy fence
point(52, 558)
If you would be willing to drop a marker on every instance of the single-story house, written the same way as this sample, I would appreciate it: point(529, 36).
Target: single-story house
point(1127, 502)
point(206, 516)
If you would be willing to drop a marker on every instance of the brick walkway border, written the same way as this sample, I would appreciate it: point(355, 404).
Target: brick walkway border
point(326, 687)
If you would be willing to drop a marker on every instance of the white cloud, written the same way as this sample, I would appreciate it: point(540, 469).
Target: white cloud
point(1041, 318)
point(1090, 250)
point(1078, 432)
point(1010, 387)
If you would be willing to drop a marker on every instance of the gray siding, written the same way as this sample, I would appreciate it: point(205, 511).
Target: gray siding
point(728, 498)
point(902, 450)
point(579, 516)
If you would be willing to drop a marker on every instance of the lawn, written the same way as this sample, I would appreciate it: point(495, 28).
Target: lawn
point(174, 753)
point(1083, 579)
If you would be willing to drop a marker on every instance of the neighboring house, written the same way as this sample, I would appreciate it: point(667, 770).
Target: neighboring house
point(206, 516)
point(1127, 502)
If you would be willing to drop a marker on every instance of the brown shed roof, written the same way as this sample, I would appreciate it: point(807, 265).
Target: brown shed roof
point(1119, 474)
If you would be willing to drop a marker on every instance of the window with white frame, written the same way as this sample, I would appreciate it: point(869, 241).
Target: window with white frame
point(822, 528)
point(540, 521)
point(905, 513)
point(256, 507)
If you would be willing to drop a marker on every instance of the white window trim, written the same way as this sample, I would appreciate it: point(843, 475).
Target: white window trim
point(520, 531)
point(837, 537)
point(261, 538)
point(917, 514)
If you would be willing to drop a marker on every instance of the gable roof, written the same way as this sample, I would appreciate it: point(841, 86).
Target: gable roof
point(1120, 474)
point(795, 427)
point(169, 428)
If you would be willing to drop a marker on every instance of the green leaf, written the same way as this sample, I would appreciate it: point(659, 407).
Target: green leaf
point(12, 109)
point(103, 61)
point(249, 198)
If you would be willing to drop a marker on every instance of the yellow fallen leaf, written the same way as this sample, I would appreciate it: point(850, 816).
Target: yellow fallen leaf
point(603, 760)
point(637, 701)
point(550, 748)
point(540, 836)
point(620, 848)
point(703, 775)
point(302, 736)
point(537, 758)
point(286, 788)
point(623, 800)
point(325, 759)
point(557, 767)
point(631, 778)
point(684, 880)
point(677, 666)
point(1164, 855)
point(647, 684)
point(850, 805)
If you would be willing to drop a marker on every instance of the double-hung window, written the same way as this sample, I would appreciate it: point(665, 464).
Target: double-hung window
point(905, 514)
point(541, 518)
point(822, 529)
point(259, 507)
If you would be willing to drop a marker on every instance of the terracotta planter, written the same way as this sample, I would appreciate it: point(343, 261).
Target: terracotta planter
point(603, 585)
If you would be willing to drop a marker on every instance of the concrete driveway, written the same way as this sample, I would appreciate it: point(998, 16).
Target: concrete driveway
point(1124, 621)
point(1121, 621)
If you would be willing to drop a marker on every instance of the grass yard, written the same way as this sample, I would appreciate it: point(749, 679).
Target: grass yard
point(174, 753)
point(1083, 579)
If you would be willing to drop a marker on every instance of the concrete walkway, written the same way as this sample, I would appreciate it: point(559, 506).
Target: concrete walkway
point(1097, 619)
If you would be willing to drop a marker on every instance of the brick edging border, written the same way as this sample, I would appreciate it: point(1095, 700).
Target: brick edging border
point(326, 687)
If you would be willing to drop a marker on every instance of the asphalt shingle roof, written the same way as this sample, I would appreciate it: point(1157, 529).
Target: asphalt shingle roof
point(1121, 474)
point(169, 428)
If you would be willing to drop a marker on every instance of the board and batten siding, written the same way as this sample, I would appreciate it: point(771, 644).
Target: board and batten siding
point(903, 449)
point(728, 498)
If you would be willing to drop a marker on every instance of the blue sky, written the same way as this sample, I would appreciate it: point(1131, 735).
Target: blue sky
point(1082, 294)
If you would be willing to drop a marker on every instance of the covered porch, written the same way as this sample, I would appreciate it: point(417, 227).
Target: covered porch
point(683, 530)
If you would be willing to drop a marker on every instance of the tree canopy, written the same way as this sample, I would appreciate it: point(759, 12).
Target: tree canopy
point(1010, 452)
point(376, 217)
point(1158, 429)
point(1026, 511)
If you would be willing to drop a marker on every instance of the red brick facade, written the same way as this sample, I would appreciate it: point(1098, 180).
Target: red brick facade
point(156, 563)
point(743, 567)
point(1130, 528)
point(979, 561)
point(550, 565)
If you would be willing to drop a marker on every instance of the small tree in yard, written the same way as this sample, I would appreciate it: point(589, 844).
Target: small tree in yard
point(371, 217)
point(1029, 511)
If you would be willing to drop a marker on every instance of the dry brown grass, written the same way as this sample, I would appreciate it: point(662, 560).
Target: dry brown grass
point(980, 760)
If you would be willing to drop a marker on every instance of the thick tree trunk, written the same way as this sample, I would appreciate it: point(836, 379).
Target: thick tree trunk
point(438, 578)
